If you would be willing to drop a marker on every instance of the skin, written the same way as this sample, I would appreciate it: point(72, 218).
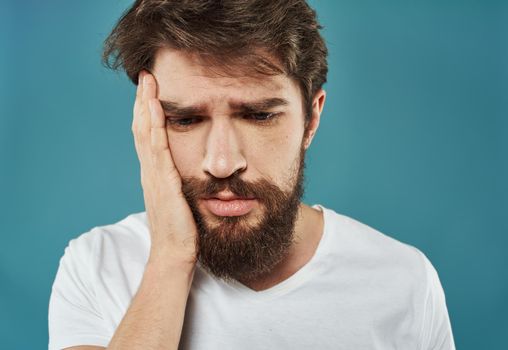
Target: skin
point(219, 145)
point(220, 142)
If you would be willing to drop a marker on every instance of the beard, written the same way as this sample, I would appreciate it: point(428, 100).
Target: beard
point(234, 249)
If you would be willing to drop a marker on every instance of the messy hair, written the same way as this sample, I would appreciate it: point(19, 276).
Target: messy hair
point(264, 36)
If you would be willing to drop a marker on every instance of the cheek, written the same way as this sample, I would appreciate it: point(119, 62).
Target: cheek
point(273, 155)
point(184, 153)
point(268, 154)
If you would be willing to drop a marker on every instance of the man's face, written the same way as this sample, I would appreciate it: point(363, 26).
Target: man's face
point(236, 136)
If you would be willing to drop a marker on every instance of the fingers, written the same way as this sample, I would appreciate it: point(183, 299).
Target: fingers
point(161, 155)
point(139, 91)
point(151, 140)
point(148, 92)
point(141, 125)
point(149, 89)
point(169, 216)
point(139, 99)
point(159, 140)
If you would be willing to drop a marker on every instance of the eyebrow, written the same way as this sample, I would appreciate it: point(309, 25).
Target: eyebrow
point(175, 109)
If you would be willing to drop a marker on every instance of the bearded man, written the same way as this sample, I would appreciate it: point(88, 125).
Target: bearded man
point(226, 256)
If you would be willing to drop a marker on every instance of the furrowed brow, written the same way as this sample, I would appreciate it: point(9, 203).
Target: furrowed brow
point(175, 109)
point(261, 105)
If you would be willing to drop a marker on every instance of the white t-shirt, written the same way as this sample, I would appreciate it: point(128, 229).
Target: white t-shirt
point(361, 290)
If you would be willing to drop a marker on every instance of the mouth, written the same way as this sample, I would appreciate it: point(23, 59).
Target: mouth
point(228, 204)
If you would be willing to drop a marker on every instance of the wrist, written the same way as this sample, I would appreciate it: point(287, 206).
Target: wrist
point(161, 258)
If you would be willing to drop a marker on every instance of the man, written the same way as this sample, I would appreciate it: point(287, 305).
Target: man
point(226, 256)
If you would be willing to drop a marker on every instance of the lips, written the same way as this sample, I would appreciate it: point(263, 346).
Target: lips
point(228, 204)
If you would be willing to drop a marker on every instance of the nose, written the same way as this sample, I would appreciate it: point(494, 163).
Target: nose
point(223, 154)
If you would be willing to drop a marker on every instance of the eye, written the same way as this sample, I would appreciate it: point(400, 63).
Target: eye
point(262, 117)
point(182, 123)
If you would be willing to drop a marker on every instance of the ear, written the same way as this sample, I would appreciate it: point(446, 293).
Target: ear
point(318, 103)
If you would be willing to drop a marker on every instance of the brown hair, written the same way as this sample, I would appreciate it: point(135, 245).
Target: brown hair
point(224, 34)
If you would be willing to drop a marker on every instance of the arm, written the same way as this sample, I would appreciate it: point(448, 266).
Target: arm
point(154, 319)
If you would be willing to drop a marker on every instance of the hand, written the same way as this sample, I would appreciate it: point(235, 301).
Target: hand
point(173, 230)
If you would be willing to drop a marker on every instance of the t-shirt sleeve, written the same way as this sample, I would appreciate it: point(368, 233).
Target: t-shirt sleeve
point(74, 317)
point(436, 331)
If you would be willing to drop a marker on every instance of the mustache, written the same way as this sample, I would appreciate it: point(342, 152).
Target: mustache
point(194, 188)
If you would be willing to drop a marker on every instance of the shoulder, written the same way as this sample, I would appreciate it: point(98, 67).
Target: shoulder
point(393, 276)
point(366, 248)
point(132, 229)
point(126, 238)
point(96, 278)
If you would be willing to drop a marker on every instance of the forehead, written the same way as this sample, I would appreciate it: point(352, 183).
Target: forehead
point(182, 75)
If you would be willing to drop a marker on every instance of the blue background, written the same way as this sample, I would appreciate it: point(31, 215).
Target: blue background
point(413, 142)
